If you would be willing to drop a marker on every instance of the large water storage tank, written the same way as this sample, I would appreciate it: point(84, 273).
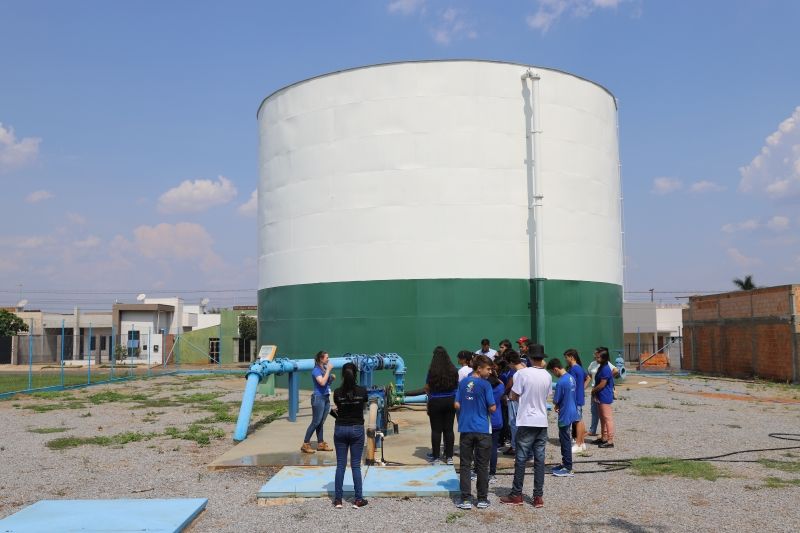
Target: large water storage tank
point(408, 205)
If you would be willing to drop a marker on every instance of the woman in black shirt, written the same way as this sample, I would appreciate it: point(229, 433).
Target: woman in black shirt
point(348, 434)
point(441, 385)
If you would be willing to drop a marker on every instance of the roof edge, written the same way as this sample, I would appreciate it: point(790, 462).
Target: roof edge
point(341, 71)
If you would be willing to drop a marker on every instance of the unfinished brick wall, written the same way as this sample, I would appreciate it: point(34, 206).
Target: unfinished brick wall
point(744, 333)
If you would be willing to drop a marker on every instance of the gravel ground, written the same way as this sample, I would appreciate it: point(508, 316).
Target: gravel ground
point(669, 418)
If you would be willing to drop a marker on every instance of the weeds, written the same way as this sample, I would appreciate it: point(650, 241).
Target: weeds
point(452, 517)
point(202, 435)
point(120, 439)
point(785, 466)
point(668, 466)
point(779, 483)
point(44, 431)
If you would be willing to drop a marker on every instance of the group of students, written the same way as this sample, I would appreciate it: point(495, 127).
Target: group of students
point(500, 395)
point(497, 395)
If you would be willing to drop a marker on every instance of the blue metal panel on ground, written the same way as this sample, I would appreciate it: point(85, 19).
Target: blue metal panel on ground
point(306, 482)
point(388, 481)
point(394, 481)
point(151, 515)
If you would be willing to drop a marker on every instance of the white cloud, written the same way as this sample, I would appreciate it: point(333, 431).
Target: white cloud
point(747, 225)
point(453, 25)
point(742, 260)
point(183, 241)
point(197, 196)
point(666, 185)
point(15, 153)
point(75, 218)
point(32, 242)
point(406, 7)
point(549, 11)
point(776, 169)
point(89, 242)
point(706, 186)
point(778, 223)
point(250, 207)
point(38, 196)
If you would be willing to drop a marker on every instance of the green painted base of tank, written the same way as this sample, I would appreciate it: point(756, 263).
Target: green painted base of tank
point(411, 317)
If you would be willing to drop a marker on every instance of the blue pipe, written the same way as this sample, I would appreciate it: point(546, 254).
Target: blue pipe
point(422, 398)
point(261, 369)
point(246, 410)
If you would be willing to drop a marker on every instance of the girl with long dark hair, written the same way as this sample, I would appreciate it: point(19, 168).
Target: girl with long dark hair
point(320, 402)
point(348, 434)
point(441, 385)
point(575, 368)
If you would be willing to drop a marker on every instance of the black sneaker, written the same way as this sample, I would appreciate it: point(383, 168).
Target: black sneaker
point(606, 445)
point(360, 502)
point(597, 442)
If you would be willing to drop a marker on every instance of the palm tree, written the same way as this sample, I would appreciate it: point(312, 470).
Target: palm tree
point(745, 284)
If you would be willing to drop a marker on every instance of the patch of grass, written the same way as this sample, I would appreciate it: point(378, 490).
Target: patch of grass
point(157, 402)
point(52, 395)
point(200, 397)
point(271, 405)
point(44, 431)
point(46, 407)
point(86, 415)
point(269, 418)
point(733, 426)
point(689, 403)
point(200, 434)
point(779, 483)
point(120, 439)
point(108, 397)
point(785, 466)
point(452, 517)
point(669, 466)
point(221, 412)
point(202, 377)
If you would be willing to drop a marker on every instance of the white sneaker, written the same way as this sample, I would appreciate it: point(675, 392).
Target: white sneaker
point(492, 481)
point(578, 449)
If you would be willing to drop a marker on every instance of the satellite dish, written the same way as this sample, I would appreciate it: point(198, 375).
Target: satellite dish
point(204, 302)
point(21, 304)
point(141, 297)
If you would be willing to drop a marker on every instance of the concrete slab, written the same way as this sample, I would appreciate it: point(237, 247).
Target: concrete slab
point(152, 515)
point(379, 481)
point(278, 443)
point(306, 482)
point(399, 481)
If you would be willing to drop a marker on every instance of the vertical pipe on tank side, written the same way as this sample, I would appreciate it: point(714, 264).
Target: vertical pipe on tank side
point(536, 204)
point(249, 396)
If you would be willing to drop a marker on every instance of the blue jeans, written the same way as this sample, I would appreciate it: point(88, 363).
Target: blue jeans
point(320, 405)
point(529, 438)
point(348, 438)
point(595, 416)
point(565, 439)
point(495, 444)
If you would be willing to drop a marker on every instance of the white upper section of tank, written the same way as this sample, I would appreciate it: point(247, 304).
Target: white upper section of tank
point(420, 171)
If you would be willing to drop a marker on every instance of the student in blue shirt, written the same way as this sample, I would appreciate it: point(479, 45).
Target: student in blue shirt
point(564, 405)
point(474, 403)
point(603, 396)
point(575, 367)
point(320, 403)
point(498, 391)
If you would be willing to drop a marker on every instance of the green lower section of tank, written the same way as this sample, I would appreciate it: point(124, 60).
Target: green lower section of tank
point(411, 317)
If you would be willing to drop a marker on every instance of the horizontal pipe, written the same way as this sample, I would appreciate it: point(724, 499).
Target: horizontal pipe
point(421, 398)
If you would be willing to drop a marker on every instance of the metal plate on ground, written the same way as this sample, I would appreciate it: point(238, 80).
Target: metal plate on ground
point(389, 481)
point(151, 515)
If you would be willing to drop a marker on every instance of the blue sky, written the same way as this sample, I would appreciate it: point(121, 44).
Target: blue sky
point(129, 129)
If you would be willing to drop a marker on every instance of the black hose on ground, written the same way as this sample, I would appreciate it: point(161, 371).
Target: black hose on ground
point(614, 465)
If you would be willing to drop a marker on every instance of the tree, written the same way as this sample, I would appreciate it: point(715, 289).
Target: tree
point(11, 324)
point(247, 327)
point(745, 284)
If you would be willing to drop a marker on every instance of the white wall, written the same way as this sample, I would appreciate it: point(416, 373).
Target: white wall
point(404, 171)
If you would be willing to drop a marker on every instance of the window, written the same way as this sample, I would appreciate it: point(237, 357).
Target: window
point(92, 343)
point(213, 350)
point(102, 343)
